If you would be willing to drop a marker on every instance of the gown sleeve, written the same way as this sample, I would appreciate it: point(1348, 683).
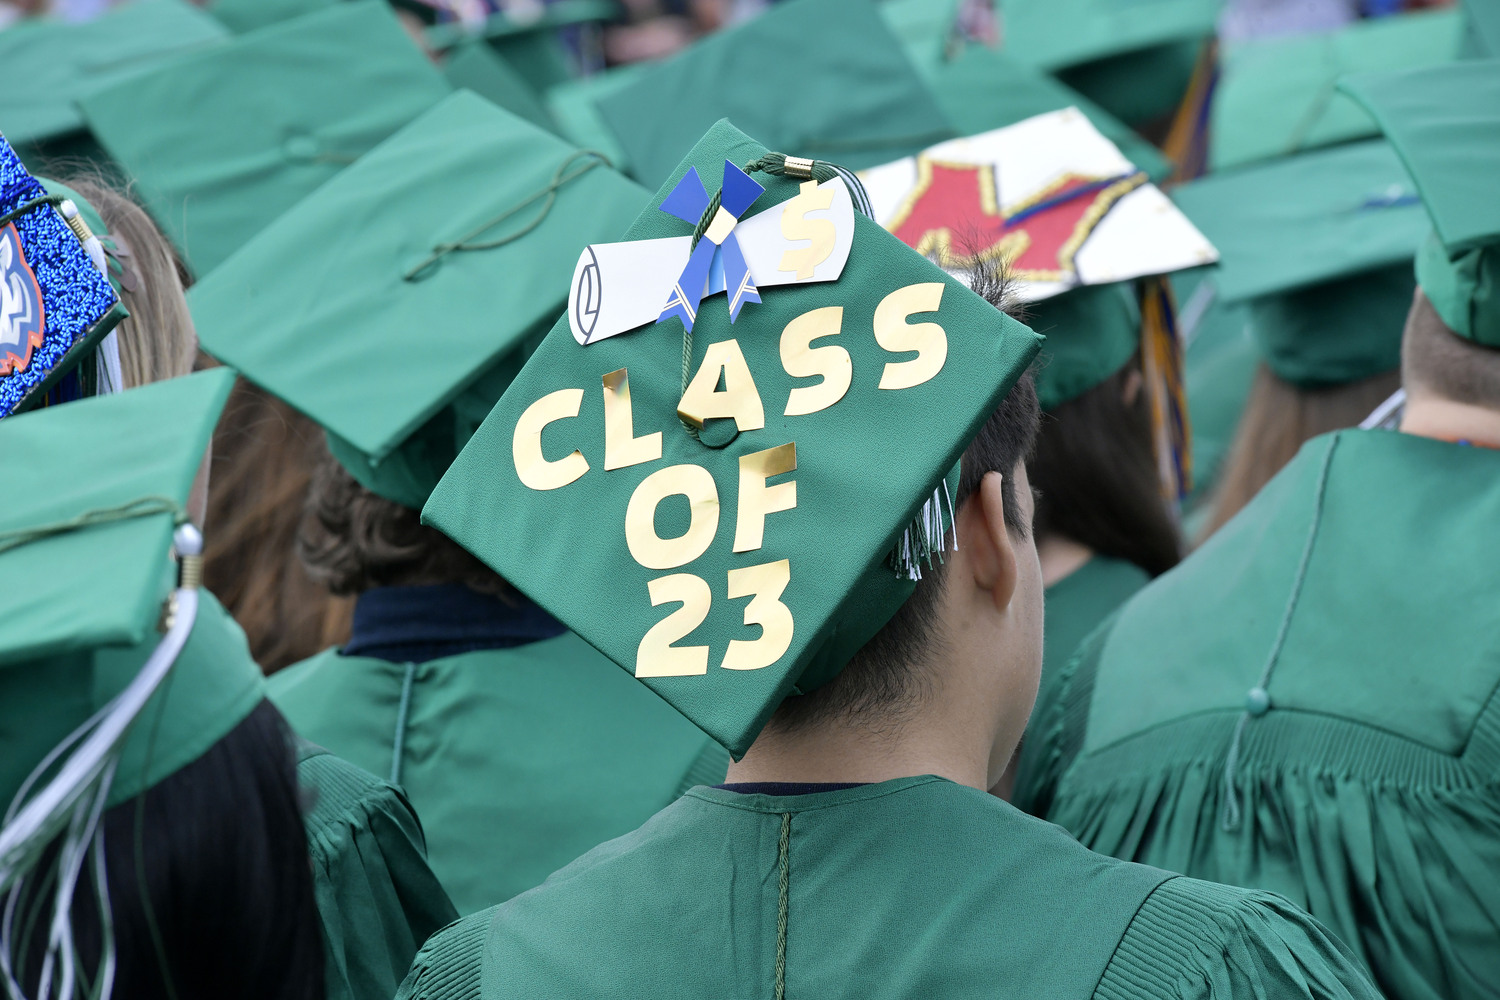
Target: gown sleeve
point(377, 899)
point(1205, 941)
point(450, 964)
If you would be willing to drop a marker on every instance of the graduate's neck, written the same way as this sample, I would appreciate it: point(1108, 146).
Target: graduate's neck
point(1060, 557)
point(1432, 416)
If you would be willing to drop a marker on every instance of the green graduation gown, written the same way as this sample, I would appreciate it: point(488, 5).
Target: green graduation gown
point(518, 760)
point(1310, 705)
point(916, 887)
point(1078, 602)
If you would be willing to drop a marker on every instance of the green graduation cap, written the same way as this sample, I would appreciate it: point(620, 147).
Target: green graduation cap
point(241, 16)
point(984, 89)
point(222, 142)
point(1320, 247)
point(473, 65)
point(733, 546)
point(823, 77)
point(1481, 29)
point(574, 107)
point(441, 256)
point(1092, 332)
point(1277, 96)
point(50, 63)
point(927, 29)
point(1445, 123)
point(528, 41)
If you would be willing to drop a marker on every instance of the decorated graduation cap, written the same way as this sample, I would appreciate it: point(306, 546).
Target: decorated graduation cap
point(49, 63)
point(222, 142)
point(1072, 218)
point(441, 257)
point(1445, 124)
point(57, 305)
point(824, 77)
point(740, 507)
point(1277, 96)
point(1320, 247)
point(117, 672)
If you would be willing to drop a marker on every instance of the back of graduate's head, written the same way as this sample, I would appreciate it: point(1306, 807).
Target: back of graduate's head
point(894, 673)
point(1438, 364)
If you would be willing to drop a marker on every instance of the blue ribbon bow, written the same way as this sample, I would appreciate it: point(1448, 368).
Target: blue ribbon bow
point(688, 201)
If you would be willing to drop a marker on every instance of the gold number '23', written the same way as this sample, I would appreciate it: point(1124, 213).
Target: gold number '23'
point(763, 584)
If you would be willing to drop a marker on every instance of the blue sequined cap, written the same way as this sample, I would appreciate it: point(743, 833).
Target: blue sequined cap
point(54, 302)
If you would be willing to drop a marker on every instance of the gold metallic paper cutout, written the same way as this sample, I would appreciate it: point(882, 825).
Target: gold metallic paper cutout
point(764, 585)
point(532, 467)
point(621, 447)
point(795, 226)
point(702, 401)
point(656, 656)
point(802, 360)
point(651, 550)
point(894, 334)
point(757, 499)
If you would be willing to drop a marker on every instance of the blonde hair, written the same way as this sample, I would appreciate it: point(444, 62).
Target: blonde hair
point(157, 341)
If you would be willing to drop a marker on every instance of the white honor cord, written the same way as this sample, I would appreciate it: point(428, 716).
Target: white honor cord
point(111, 376)
point(1386, 416)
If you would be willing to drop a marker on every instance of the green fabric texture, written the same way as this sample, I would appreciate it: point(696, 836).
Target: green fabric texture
point(816, 78)
point(1276, 96)
point(50, 63)
point(984, 89)
point(927, 30)
point(1077, 603)
point(1445, 123)
point(1057, 34)
point(1365, 792)
point(1481, 29)
point(518, 760)
point(352, 343)
point(91, 597)
point(1219, 362)
point(221, 143)
point(573, 106)
point(1142, 87)
point(979, 897)
point(377, 898)
point(1092, 332)
point(241, 16)
point(1319, 245)
point(475, 66)
point(837, 539)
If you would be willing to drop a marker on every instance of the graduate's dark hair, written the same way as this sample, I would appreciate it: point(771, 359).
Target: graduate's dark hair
point(352, 540)
point(882, 678)
point(1096, 477)
point(1436, 360)
point(210, 885)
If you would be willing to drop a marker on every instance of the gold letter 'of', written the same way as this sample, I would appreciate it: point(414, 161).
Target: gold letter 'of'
point(739, 399)
point(526, 445)
point(650, 549)
point(802, 360)
point(621, 447)
point(894, 334)
point(757, 499)
point(795, 225)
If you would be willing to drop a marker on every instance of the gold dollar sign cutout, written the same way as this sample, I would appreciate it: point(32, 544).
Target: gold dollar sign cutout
point(795, 225)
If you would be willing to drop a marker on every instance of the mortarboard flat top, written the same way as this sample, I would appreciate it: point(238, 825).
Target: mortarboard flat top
point(1308, 219)
point(820, 560)
point(1481, 29)
point(820, 78)
point(1057, 34)
point(241, 16)
point(1445, 123)
point(50, 63)
point(574, 106)
point(1276, 96)
point(369, 354)
point(101, 585)
point(220, 143)
point(473, 65)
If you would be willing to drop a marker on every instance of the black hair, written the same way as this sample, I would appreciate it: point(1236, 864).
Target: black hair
point(883, 678)
point(1096, 477)
point(210, 885)
point(1439, 361)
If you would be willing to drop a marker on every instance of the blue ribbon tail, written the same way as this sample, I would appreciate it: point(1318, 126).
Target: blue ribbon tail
point(687, 293)
point(738, 284)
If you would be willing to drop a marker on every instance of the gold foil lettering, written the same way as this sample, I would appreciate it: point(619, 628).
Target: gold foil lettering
point(893, 333)
point(655, 552)
point(764, 585)
point(621, 447)
point(802, 360)
point(795, 225)
point(757, 499)
point(703, 400)
point(656, 656)
point(526, 444)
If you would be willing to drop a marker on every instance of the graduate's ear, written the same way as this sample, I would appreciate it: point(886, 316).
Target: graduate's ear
point(991, 551)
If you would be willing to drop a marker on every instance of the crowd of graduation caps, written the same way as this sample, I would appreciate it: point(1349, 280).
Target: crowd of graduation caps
point(313, 540)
